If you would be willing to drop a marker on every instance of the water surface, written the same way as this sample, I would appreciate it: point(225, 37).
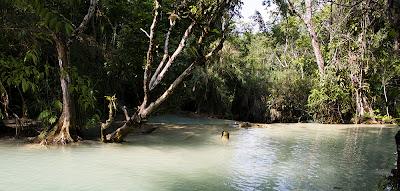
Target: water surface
point(189, 155)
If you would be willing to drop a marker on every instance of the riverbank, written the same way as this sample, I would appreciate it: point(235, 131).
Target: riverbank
point(190, 117)
point(182, 119)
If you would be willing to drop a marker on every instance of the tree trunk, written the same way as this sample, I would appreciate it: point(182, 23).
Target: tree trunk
point(385, 94)
point(118, 135)
point(24, 107)
point(363, 107)
point(314, 39)
point(363, 104)
point(148, 106)
point(140, 116)
point(307, 19)
point(61, 133)
point(4, 100)
point(316, 48)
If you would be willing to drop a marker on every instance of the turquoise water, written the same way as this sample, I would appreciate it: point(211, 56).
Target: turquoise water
point(191, 156)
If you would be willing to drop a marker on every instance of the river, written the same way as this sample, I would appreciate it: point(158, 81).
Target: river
point(188, 154)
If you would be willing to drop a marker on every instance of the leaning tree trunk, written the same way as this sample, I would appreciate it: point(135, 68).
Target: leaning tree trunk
point(316, 48)
point(118, 135)
point(314, 39)
point(61, 133)
point(141, 115)
point(307, 19)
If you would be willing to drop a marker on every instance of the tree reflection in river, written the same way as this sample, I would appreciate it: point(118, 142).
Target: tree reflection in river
point(311, 158)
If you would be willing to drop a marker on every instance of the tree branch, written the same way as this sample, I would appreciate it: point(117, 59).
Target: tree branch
point(186, 72)
point(308, 14)
point(125, 113)
point(169, 91)
point(86, 19)
point(111, 108)
point(145, 32)
point(173, 57)
point(293, 10)
point(149, 61)
point(221, 42)
point(161, 65)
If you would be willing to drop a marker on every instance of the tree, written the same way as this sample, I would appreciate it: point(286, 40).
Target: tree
point(306, 17)
point(211, 19)
point(63, 32)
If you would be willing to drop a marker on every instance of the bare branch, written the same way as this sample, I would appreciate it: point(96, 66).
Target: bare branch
point(169, 91)
point(149, 61)
point(173, 57)
point(161, 65)
point(111, 108)
point(308, 14)
point(125, 113)
point(145, 32)
point(86, 19)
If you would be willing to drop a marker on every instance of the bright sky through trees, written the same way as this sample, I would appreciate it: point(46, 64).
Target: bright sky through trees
point(251, 6)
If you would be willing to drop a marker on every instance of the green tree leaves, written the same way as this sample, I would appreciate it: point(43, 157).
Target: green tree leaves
point(49, 18)
point(20, 74)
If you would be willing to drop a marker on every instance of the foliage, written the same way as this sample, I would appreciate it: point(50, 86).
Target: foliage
point(18, 73)
point(49, 115)
point(288, 96)
point(330, 99)
point(267, 74)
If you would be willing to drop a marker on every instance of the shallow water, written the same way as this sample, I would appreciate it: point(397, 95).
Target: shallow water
point(190, 156)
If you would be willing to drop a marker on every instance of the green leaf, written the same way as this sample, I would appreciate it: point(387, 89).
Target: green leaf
point(58, 105)
point(216, 31)
point(193, 9)
point(25, 85)
point(52, 23)
point(44, 114)
point(68, 28)
point(52, 119)
point(58, 26)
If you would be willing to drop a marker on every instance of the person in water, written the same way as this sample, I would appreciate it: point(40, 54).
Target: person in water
point(225, 136)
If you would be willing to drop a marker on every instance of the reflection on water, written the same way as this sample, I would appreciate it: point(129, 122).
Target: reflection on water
point(312, 158)
point(192, 157)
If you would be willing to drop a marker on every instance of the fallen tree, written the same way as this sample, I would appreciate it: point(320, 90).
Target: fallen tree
point(207, 23)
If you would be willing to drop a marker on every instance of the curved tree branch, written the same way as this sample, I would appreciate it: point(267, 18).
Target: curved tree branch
point(149, 60)
point(86, 19)
point(161, 65)
point(171, 60)
point(169, 91)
